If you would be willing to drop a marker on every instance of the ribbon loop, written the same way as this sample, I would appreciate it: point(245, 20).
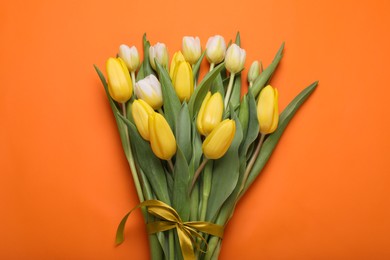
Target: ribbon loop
point(187, 231)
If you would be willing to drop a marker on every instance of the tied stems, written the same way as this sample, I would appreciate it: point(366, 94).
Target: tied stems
point(131, 161)
point(229, 89)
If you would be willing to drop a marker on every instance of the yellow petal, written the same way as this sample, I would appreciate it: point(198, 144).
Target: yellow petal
point(201, 112)
point(212, 115)
point(177, 57)
point(120, 86)
point(183, 80)
point(266, 109)
point(141, 111)
point(218, 142)
point(162, 140)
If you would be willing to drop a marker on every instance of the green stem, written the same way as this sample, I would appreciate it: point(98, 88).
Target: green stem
point(250, 165)
point(207, 177)
point(197, 173)
point(170, 165)
point(212, 245)
point(131, 162)
point(171, 242)
point(212, 65)
point(229, 90)
point(133, 78)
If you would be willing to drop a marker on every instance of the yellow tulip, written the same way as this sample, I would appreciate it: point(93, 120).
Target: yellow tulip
point(177, 57)
point(141, 112)
point(267, 110)
point(162, 140)
point(183, 80)
point(120, 86)
point(210, 113)
point(219, 140)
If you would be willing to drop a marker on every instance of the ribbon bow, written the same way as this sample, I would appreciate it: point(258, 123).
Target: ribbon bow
point(186, 231)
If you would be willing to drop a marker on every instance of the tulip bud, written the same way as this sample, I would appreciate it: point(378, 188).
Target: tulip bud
point(141, 111)
point(130, 56)
point(160, 53)
point(191, 49)
point(254, 71)
point(149, 89)
point(215, 49)
point(120, 86)
point(162, 140)
point(183, 80)
point(210, 113)
point(218, 142)
point(267, 110)
point(178, 56)
point(235, 58)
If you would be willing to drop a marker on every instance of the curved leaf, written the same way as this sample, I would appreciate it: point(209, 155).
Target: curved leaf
point(265, 76)
point(272, 140)
point(171, 100)
point(225, 174)
point(201, 91)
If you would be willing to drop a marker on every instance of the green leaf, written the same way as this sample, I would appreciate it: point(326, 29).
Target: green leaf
point(149, 163)
point(236, 92)
point(265, 76)
point(253, 127)
point(217, 86)
point(225, 174)
point(181, 177)
point(140, 74)
point(243, 115)
point(171, 101)
point(121, 126)
point(196, 148)
point(147, 68)
point(183, 132)
point(196, 68)
point(238, 39)
point(201, 91)
point(272, 140)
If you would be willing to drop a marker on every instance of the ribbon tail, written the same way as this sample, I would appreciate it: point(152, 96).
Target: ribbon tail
point(185, 241)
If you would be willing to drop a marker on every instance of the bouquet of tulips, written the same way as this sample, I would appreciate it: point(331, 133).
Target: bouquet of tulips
point(194, 146)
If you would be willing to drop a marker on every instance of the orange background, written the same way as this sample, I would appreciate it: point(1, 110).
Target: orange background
point(65, 182)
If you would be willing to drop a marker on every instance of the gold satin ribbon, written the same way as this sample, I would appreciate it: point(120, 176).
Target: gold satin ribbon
point(186, 231)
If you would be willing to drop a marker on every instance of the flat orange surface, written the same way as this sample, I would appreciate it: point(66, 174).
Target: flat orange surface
point(64, 180)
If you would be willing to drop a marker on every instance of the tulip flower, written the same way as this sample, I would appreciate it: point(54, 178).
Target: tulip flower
point(160, 53)
point(235, 58)
point(149, 89)
point(191, 49)
point(178, 56)
point(130, 56)
point(120, 86)
point(253, 72)
point(215, 49)
point(210, 113)
point(183, 80)
point(141, 112)
point(267, 110)
point(162, 140)
point(219, 140)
